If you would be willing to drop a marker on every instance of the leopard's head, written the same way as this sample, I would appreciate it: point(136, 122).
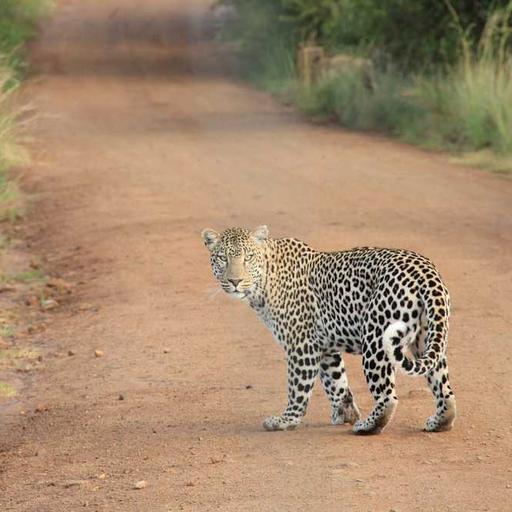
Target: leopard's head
point(237, 258)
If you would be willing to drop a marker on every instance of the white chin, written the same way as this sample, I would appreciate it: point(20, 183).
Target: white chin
point(238, 295)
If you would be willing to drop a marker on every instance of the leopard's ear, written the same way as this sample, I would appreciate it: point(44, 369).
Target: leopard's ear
point(260, 233)
point(210, 238)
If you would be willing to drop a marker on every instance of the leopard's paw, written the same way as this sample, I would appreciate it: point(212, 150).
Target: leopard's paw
point(442, 421)
point(348, 413)
point(366, 427)
point(377, 420)
point(273, 423)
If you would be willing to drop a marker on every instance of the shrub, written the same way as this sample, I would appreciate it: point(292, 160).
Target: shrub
point(17, 24)
point(468, 107)
point(465, 105)
point(412, 34)
point(18, 20)
point(265, 44)
point(10, 152)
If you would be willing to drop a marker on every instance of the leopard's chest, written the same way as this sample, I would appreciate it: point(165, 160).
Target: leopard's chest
point(288, 312)
point(281, 321)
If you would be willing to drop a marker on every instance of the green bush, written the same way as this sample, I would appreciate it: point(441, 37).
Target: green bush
point(18, 21)
point(472, 104)
point(412, 34)
point(443, 73)
point(17, 24)
point(10, 152)
point(264, 43)
point(468, 107)
point(387, 107)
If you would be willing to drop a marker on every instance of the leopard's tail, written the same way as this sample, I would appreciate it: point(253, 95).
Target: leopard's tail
point(398, 336)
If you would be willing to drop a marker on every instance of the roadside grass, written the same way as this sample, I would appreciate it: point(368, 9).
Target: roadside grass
point(278, 71)
point(265, 49)
point(11, 153)
point(467, 109)
point(12, 355)
point(387, 107)
point(30, 276)
point(6, 390)
point(464, 108)
point(7, 331)
point(499, 164)
point(18, 23)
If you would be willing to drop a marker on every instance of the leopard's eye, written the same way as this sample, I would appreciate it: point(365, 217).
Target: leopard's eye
point(249, 257)
point(222, 258)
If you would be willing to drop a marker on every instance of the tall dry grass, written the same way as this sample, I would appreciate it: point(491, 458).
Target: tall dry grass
point(18, 23)
point(465, 107)
point(11, 153)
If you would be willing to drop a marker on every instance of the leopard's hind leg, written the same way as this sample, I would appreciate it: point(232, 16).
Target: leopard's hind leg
point(380, 376)
point(439, 383)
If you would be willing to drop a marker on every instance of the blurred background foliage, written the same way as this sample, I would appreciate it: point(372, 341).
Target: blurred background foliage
point(442, 68)
point(411, 33)
point(18, 23)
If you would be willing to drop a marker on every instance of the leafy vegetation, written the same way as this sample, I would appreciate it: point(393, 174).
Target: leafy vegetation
point(11, 153)
point(18, 20)
point(6, 331)
point(18, 23)
point(29, 276)
point(6, 390)
point(443, 71)
point(412, 34)
point(266, 47)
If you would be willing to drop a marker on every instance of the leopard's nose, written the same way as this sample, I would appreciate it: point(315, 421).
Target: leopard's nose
point(235, 282)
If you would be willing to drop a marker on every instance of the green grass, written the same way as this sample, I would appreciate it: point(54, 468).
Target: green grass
point(11, 153)
point(30, 276)
point(388, 107)
point(264, 46)
point(467, 108)
point(18, 23)
point(19, 353)
point(6, 390)
point(14, 358)
point(486, 159)
point(472, 104)
point(464, 107)
point(7, 331)
point(277, 74)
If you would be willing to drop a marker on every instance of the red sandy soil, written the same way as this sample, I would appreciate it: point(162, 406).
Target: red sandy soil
point(143, 138)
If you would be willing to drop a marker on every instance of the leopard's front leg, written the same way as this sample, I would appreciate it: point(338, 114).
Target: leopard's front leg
point(303, 362)
point(335, 382)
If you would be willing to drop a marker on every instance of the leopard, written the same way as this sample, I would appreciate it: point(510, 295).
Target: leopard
point(390, 306)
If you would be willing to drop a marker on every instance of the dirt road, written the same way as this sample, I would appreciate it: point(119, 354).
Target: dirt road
point(143, 138)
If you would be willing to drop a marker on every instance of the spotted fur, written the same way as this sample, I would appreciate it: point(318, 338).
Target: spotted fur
point(388, 305)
